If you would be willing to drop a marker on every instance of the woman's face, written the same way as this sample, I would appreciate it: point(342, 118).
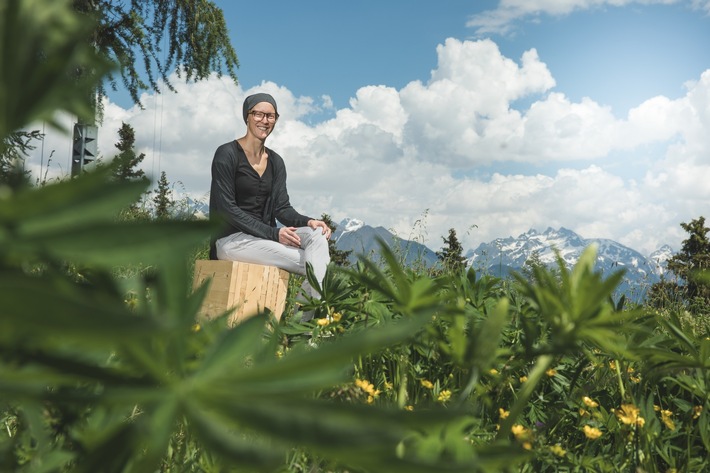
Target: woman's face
point(261, 120)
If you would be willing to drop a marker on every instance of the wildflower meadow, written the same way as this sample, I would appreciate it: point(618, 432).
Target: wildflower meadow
point(105, 365)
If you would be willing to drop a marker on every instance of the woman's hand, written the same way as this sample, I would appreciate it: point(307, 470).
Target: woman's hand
point(320, 224)
point(289, 237)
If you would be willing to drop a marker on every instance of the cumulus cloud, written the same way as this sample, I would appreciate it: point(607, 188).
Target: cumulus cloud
point(438, 155)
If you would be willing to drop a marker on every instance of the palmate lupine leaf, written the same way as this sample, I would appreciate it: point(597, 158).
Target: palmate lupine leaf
point(576, 306)
point(484, 345)
point(302, 370)
point(89, 198)
point(75, 221)
point(35, 309)
point(675, 349)
point(236, 449)
point(117, 244)
point(418, 296)
point(355, 435)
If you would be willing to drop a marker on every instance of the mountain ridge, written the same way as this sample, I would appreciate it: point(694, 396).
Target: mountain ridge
point(502, 256)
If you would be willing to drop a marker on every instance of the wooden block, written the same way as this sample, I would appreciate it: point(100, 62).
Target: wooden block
point(247, 288)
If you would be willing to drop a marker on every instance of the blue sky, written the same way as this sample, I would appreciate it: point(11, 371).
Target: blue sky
point(618, 56)
point(490, 117)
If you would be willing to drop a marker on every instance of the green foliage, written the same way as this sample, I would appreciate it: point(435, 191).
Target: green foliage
point(42, 47)
point(337, 257)
point(162, 199)
point(689, 265)
point(404, 371)
point(13, 151)
point(127, 159)
point(150, 39)
point(451, 255)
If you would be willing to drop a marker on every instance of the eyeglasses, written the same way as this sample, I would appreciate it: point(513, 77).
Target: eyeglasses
point(258, 116)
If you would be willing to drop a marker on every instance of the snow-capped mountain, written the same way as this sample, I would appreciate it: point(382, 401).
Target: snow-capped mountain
point(660, 258)
point(354, 235)
point(503, 255)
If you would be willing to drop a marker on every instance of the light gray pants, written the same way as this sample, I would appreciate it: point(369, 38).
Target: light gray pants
point(250, 249)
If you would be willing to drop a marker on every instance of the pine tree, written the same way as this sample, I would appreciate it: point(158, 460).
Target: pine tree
point(339, 257)
point(126, 161)
point(451, 255)
point(693, 258)
point(688, 265)
point(163, 198)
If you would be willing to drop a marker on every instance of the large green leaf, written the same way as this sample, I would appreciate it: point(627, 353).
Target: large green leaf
point(46, 63)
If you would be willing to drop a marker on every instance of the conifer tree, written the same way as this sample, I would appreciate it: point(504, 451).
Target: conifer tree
point(339, 257)
point(149, 39)
point(163, 198)
point(688, 265)
point(451, 255)
point(693, 258)
point(126, 161)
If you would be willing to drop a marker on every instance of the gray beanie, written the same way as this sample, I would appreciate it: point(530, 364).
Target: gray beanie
point(252, 100)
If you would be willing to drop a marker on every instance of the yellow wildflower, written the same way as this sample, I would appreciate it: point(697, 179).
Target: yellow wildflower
point(370, 399)
point(558, 450)
point(502, 413)
point(409, 408)
point(196, 328)
point(523, 379)
point(521, 433)
point(323, 322)
point(337, 316)
point(279, 354)
point(592, 433)
point(612, 365)
point(388, 386)
point(583, 412)
point(444, 395)
point(666, 419)
point(697, 410)
point(628, 414)
point(589, 402)
point(493, 371)
point(527, 445)
point(367, 386)
point(551, 372)
point(635, 379)
point(427, 384)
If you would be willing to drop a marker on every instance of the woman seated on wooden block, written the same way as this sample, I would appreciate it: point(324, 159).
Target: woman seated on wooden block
point(248, 194)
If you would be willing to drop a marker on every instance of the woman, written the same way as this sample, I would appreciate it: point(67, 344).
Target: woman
point(248, 194)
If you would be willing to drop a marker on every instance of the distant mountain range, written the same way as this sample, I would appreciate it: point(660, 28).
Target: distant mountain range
point(353, 235)
point(503, 255)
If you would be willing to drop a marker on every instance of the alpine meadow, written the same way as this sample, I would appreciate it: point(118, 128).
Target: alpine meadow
point(106, 366)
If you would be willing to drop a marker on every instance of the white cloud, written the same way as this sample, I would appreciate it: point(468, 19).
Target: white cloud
point(501, 20)
point(439, 155)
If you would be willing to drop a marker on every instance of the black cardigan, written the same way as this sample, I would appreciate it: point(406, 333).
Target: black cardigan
point(223, 202)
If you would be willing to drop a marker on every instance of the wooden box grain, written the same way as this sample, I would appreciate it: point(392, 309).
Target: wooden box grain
point(245, 287)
